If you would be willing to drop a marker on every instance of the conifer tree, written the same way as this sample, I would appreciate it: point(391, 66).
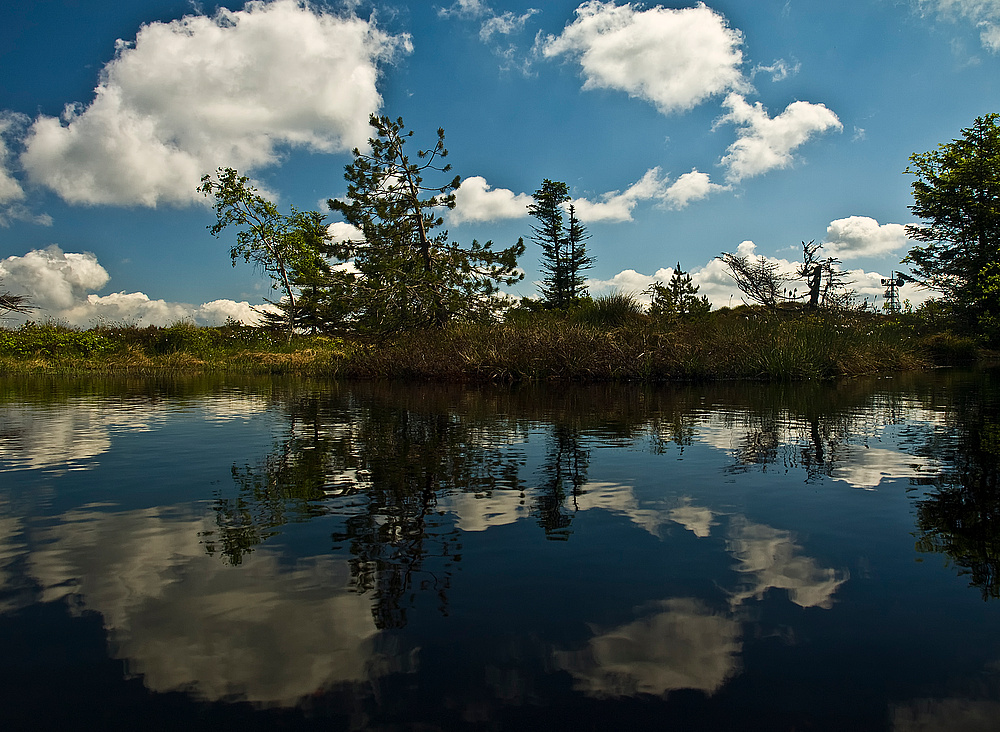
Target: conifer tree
point(678, 298)
point(404, 275)
point(564, 252)
point(550, 235)
point(577, 259)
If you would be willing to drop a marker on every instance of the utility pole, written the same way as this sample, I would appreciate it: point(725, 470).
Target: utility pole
point(892, 286)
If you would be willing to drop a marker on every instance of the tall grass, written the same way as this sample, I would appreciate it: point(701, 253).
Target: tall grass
point(715, 348)
point(606, 340)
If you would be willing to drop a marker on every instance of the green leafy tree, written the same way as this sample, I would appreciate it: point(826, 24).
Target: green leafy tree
point(678, 298)
point(404, 275)
point(957, 194)
point(319, 306)
point(273, 242)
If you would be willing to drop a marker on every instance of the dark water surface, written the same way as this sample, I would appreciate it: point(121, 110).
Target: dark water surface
point(258, 554)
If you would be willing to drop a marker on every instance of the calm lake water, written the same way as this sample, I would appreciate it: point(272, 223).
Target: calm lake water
point(257, 554)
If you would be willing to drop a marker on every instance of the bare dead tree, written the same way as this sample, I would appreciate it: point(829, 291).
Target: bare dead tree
point(823, 276)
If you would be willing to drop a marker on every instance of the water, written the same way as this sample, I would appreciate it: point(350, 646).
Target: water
point(215, 554)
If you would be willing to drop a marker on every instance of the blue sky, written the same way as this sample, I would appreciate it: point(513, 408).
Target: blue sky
point(683, 130)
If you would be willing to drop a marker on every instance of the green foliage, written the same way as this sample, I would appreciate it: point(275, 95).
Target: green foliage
point(405, 276)
point(957, 193)
point(286, 247)
point(677, 299)
point(985, 297)
point(49, 339)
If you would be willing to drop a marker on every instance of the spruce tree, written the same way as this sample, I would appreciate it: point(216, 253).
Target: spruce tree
point(550, 235)
point(576, 259)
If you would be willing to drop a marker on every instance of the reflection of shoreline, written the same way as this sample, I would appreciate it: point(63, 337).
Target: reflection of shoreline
point(184, 621)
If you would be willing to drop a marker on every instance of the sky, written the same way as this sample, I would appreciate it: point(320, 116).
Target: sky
point(683, 131)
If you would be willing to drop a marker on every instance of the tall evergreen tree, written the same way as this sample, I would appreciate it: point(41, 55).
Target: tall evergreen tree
point(577, 259)
point(550, 235)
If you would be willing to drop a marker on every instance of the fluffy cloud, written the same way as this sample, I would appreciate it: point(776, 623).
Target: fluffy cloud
point(770, 558)
point(10, 188)
point(340, 231)
point(629, 281)
point(170, 609)
point(618, 205)
point(54, 280)
point(861, 236)
point(765, 143)
point(653, 186)
point(475, 200)
point(58, 283)
point(693, 186)
point(12, 196)
point(192, 94)
point(674, 59)
point(685, 645)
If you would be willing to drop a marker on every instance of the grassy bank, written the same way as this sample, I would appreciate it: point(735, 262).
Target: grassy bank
point(727, 344)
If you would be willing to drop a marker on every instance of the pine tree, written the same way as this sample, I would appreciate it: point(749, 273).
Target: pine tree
point(678, 298)
point(404, 275)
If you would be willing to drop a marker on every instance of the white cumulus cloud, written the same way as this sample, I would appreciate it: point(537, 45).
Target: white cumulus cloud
point(62, 284)
point(10, 188)
point(672, 58)
point(765, 142)
point(862, 236)
point(693, 186)
point(618, 205)
point(476, 200)
point(193, 94)
point(53, 280)
point(12, 195)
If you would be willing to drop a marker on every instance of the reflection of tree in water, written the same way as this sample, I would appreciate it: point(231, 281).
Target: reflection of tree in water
point(379, 463)
point(808, 427)
point(564, 474)
point(287, 486)
point(960, 515)
point(399, 544)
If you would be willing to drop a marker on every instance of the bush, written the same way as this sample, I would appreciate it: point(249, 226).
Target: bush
point(609, 311)
point(52, 339)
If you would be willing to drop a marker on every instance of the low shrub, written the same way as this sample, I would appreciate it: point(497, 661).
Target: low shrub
point(52, 340)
